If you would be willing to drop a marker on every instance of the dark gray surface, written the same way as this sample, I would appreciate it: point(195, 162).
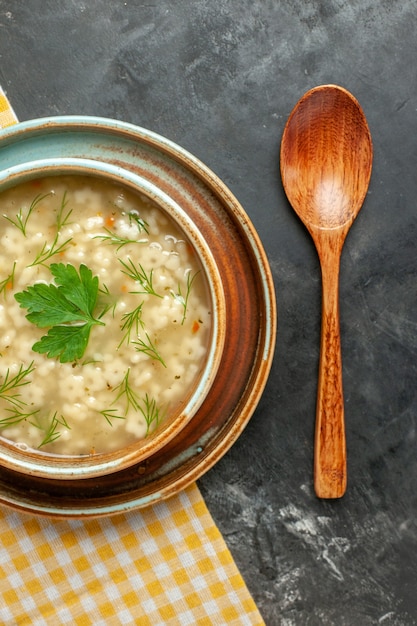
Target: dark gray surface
point(220, 79)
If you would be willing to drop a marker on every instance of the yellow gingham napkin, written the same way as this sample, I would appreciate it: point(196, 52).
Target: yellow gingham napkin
point(165, 565)
point(7, 115)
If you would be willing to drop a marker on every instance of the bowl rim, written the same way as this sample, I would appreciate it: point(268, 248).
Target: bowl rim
point(55, 466)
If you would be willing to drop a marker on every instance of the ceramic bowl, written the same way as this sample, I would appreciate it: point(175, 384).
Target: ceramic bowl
point(243, 342)
point(36, 462)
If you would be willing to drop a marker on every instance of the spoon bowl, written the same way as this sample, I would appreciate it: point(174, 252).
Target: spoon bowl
point(326, 163)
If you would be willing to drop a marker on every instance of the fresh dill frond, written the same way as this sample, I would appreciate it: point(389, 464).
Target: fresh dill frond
point(115, 240)
point(106, 301)
point(130, 323)
point(8, 282)
point(151, 412)
point(61, 219)
point(181, 298)
point(50, 428)
point(148, 348)
point(15, 415)
point(146, 406)
point(21, 219)
point(111, 414)
point(10, 384)
point(139, 275)
point(140, 223)
point(48, 251)
point(124, 390)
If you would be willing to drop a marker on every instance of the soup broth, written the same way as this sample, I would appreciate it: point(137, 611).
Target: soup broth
point(105, 316)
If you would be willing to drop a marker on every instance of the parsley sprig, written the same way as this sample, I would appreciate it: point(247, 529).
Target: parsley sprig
point(67, 308)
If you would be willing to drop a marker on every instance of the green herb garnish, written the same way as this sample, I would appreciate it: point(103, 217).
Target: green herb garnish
point(67, 307)
point(106, 301)
point(51, 429)
point(16, 412)
point(146, 406)
point(148, 348)
point(111, 414)
point(10, 383)
point(119, 241)
point(181, 298)
point(16, 415)
point(151, 412)
point(48, 251)
point(130, 323)
point(124, 390)
point(61, 219)
point(140, 223)
point(8, 282)
point(21, 220)
point(139, 275)
point(115, 240)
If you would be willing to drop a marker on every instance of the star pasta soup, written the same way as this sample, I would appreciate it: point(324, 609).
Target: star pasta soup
point(105, 316)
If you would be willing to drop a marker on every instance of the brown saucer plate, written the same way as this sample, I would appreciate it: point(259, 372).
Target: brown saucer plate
point(250, 305)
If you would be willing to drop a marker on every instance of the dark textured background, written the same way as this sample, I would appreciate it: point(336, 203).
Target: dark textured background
point(220, 79)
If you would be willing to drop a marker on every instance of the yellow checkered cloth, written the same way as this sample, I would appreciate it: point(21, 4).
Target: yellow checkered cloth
point(7, 115)
point(165, 565)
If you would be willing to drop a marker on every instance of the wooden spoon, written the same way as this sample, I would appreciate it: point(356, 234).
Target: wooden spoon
point(326, 162)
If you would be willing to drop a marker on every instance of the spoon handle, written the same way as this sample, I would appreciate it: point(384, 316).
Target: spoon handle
point(330, 441)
